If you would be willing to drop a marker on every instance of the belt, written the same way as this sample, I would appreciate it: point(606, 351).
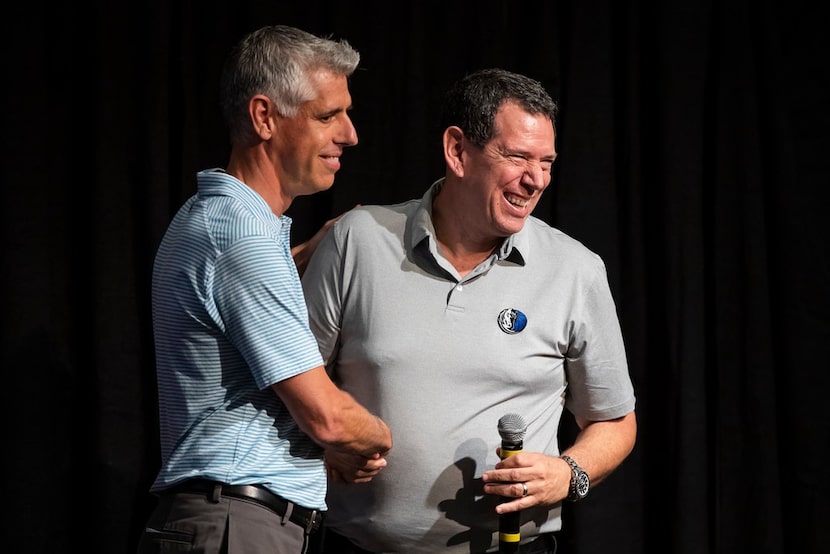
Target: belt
point(546, 542)
point(335, 542)
point(310, 520)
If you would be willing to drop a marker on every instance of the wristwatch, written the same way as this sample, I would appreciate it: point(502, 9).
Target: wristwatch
point(580, 482)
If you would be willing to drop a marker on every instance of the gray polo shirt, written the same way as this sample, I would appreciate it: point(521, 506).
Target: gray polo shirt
point(441, 359)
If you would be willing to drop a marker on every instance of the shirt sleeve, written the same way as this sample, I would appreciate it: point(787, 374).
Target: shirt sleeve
point(599, 386)
point(322, 285)
point(259, 297)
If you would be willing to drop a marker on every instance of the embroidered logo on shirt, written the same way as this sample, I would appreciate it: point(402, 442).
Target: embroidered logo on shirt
point(512, 321)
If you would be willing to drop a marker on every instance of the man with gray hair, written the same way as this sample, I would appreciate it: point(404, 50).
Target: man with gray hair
point(246, 407)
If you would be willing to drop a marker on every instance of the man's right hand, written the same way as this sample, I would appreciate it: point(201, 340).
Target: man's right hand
point(344, 467)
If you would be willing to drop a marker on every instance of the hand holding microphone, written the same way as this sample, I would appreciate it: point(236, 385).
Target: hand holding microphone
point(512, 429)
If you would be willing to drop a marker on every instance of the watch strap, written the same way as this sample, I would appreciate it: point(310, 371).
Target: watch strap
point(580, 482)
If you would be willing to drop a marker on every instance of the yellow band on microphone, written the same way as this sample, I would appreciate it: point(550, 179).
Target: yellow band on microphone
point(509, 537)
point(508, 453)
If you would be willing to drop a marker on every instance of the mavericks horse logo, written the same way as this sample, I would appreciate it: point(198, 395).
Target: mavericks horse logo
point(512, 321)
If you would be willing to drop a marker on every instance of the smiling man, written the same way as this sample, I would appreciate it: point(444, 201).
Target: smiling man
point(443, 314)
point(245, 405)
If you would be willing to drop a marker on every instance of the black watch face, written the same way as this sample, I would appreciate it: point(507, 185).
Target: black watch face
point(582, 484)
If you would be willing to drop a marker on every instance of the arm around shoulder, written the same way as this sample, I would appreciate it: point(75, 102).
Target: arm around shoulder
point(302, 252)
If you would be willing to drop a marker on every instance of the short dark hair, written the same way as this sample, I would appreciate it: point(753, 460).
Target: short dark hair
point(472, 102)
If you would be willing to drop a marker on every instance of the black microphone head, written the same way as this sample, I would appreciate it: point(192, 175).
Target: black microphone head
point(512, 428)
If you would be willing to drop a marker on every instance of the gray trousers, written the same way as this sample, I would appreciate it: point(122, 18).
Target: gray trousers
point(186, 522)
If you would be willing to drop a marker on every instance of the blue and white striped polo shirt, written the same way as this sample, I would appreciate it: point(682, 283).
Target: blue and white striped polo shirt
point(230, 320)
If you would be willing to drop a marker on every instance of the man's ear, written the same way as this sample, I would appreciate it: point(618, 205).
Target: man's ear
point(263, 116)
point(453, 149)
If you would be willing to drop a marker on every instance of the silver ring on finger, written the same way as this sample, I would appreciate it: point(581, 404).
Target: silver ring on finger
point(524, 489)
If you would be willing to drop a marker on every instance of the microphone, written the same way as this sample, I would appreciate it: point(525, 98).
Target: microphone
point(512, 428)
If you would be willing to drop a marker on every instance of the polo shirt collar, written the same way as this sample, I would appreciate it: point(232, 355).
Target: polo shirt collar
point(513, 249)
point(216, 182)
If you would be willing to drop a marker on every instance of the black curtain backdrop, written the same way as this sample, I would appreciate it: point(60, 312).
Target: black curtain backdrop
point(693, 150)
